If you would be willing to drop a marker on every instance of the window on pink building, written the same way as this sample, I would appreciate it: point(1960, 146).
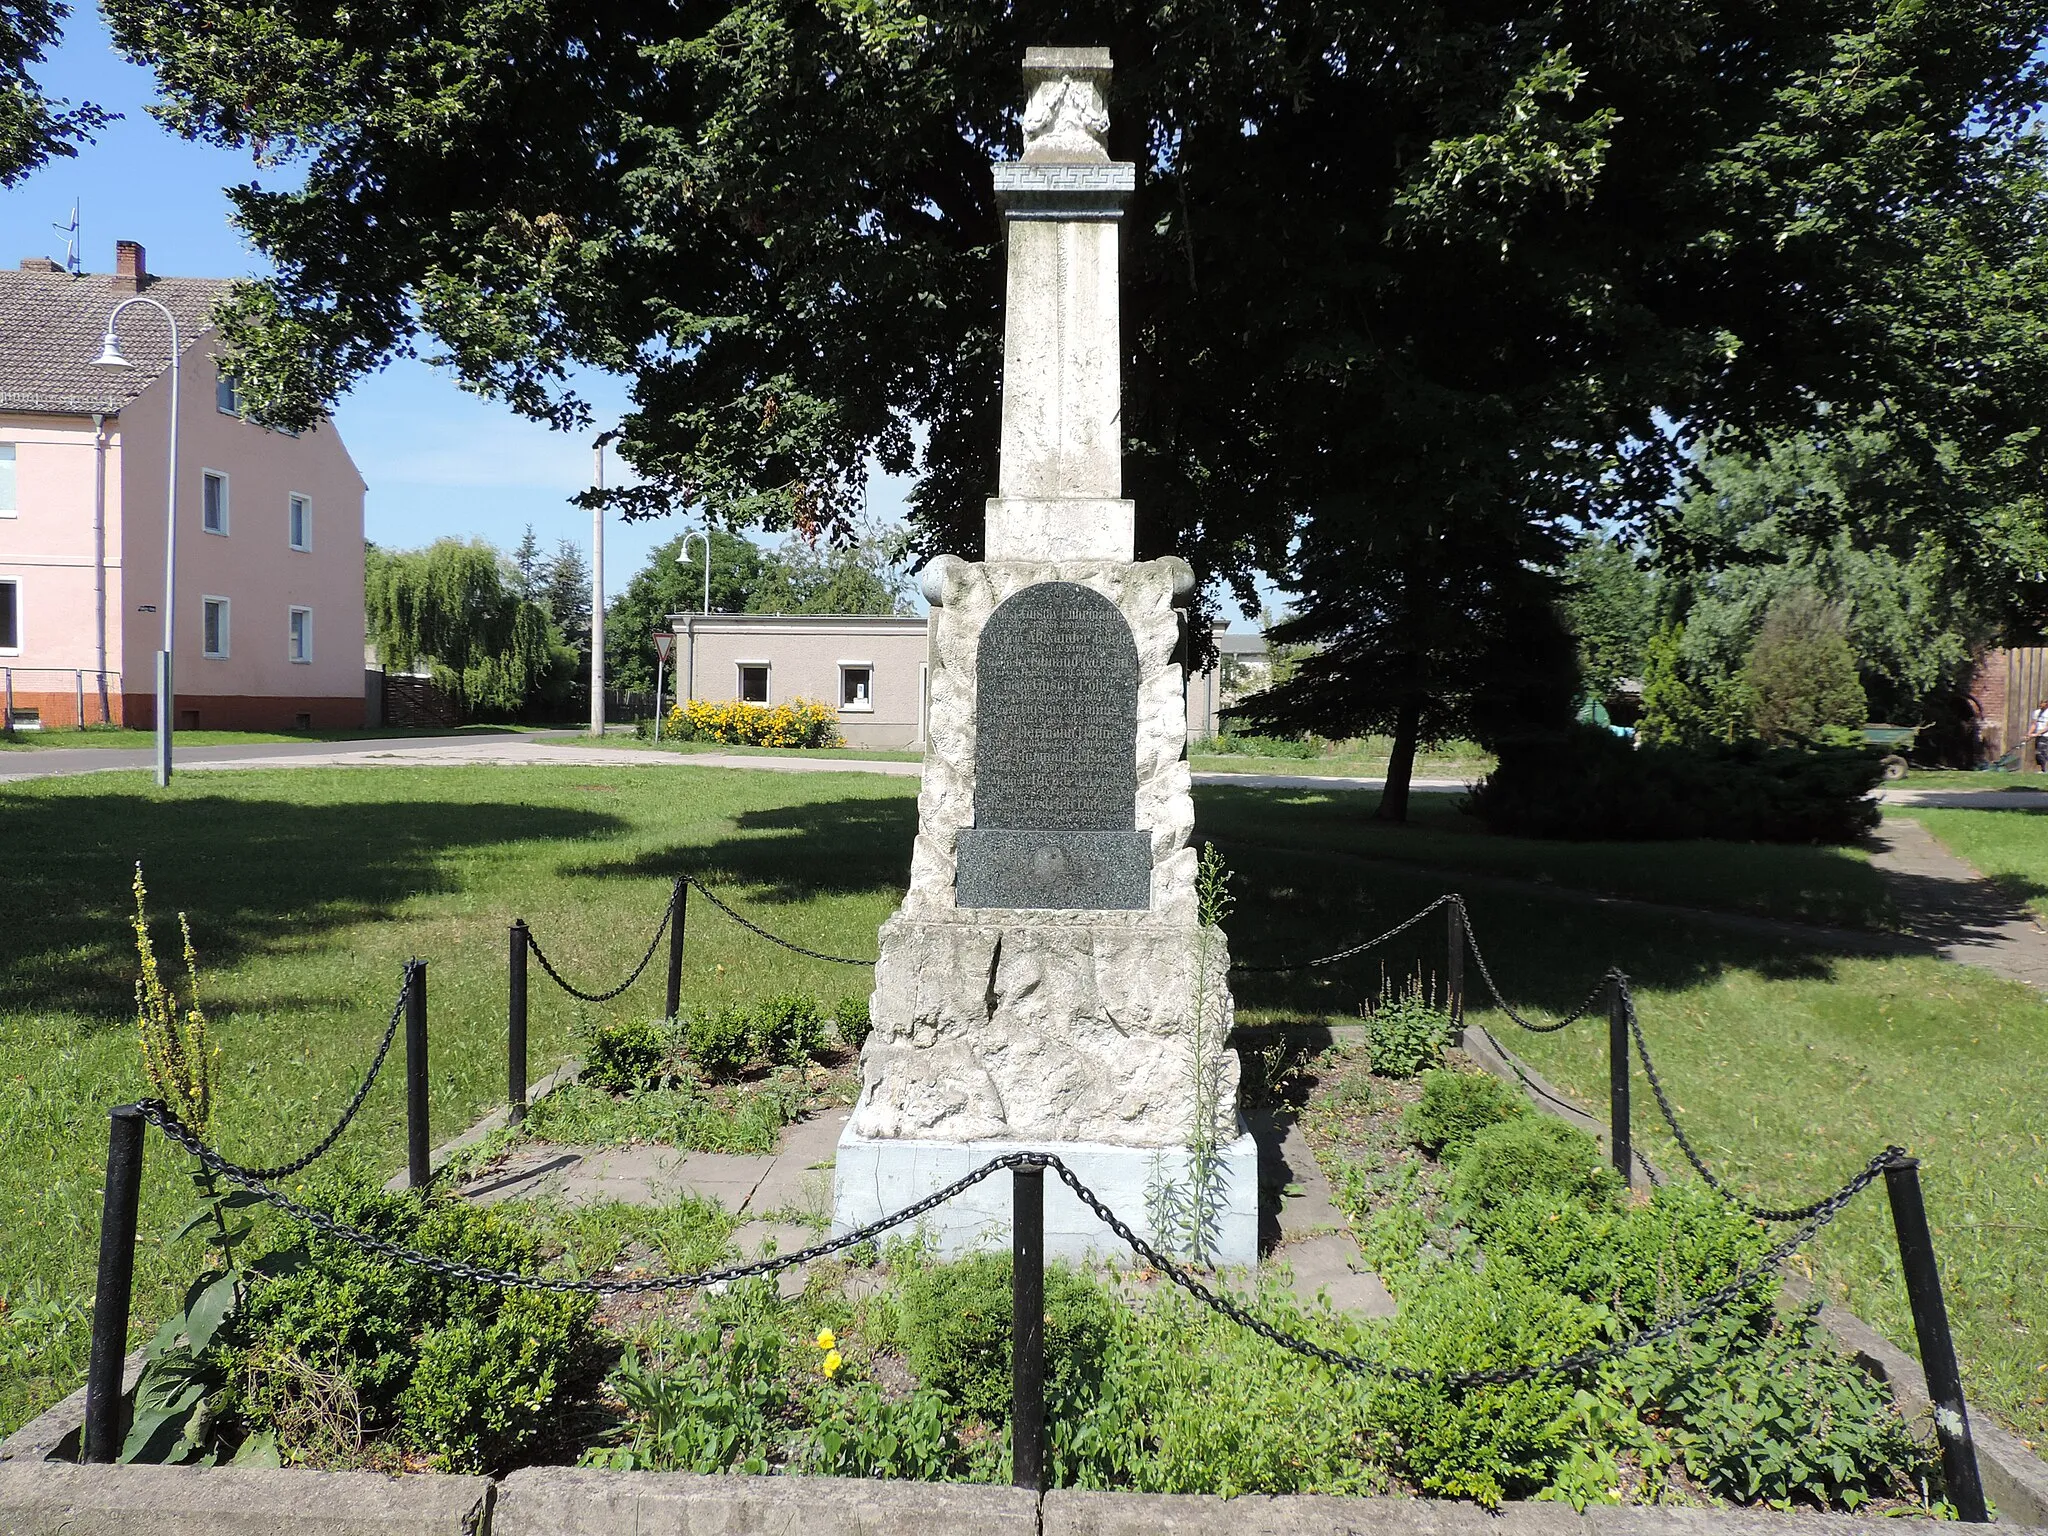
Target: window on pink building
point(10, 618)
point(213, 512)
point(8, 505)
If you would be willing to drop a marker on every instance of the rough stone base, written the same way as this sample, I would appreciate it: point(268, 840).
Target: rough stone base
point(874, 1178)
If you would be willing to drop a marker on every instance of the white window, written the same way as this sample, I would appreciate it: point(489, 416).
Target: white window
point(10, 618)
point(9, 506)
point(226, 398)
point(754, 682)
point(299, 521)
point(213, 512)
point(214, 618)
point(856, 685)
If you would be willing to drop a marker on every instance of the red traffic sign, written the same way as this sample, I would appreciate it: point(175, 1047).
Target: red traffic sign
point(663, 639)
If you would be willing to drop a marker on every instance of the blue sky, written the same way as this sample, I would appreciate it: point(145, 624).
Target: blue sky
point(438, 460)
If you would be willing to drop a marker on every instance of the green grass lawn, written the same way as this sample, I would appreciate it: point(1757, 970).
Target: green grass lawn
point(1362, 757)
point(2008, 845)
point(690, 748)
point(308, 890)
point(143, 741)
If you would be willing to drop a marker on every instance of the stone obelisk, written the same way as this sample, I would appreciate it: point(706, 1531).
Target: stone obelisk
point(1047, 984)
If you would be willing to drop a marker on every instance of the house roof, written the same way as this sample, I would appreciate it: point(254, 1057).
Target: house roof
point(50, 329)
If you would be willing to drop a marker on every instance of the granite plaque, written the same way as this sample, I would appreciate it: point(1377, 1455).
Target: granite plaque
point(1055, 758)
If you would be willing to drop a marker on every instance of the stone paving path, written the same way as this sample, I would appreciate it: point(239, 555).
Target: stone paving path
point(1947, 904)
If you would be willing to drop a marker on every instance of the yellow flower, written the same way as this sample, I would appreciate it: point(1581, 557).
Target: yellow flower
point(832, 1363)
point(826, 1340)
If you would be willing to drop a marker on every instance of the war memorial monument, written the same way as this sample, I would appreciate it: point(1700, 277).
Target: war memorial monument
point(1048, 983)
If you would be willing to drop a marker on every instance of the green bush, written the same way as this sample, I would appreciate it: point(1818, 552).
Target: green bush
point(790, 1027)
point(1406, 1033)
point(1481, 1443)
point(851, 1019)
point(703, 1400)
point(1590, 784)
point(720, 1041)
point(463, 1375)
point(1267, 746)
point(625, 1056)
point(1456, 1106)
point(956, 1333)
point(1535, 1155)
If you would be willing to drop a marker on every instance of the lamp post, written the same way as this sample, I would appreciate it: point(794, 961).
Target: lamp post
point(166, 697)
point(683, 558)
point(597, 602)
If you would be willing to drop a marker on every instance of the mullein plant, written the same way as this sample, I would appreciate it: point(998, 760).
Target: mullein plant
point(174, 1397)
point(1187, 1215)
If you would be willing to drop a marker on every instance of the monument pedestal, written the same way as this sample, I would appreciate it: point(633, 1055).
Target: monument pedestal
point(877, 1175)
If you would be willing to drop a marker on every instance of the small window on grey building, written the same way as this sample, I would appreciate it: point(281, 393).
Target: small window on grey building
point(754, 682)
point(10, 616)
point(214, 618)
point(856, 687)
point(299, 635)
point(213, 511)
point(299, 522)
point(226, 398)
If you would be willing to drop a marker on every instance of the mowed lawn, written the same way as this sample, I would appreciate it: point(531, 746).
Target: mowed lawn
point(2008, 844)
point(309, 888)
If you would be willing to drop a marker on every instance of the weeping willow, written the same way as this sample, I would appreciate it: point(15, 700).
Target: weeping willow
point(447, 608)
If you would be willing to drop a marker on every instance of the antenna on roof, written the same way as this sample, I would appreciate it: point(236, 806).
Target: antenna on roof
point(70, 233)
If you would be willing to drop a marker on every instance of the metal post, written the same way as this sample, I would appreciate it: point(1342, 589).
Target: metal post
point(660, 666)
point(1937, 1348)
point(1617, 1076)
point(678, 914)
point(417, 1168)
point(1027, 1328)
point(515, 1025)
point(104, 1429)
point(81, 699)
point(6, 698)
point(1454, 969)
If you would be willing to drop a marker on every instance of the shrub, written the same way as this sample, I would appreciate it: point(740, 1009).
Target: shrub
point(1456, 1106)
point(459, 1373)
point(799, 723)
point(956, 1334)
point(625, 1056)
point(1406, 1033)
point(1482, 1443)
point(850, 1018)
point(720, 1041)
point(790, 1027)
point(1801, 673)
point(1252, 745)
point(1589, 784)
point(1534, 1155)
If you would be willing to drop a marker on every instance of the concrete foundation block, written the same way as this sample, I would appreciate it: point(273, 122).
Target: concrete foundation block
point(62, 1499)
point(571, 1501)
point(875, 1178)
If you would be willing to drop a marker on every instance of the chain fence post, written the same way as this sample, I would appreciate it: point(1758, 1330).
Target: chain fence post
point(1454, 968)
point(418, 1170)
point(1027, 1327)
point(104, 1429)
point(1618, 1127)
point(678, 910)
point(515, 1023)
point(1937, 1346)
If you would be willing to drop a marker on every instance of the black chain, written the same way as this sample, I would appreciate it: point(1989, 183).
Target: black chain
point(1570, 1365)
point(1486, 974)
point(756, 929)
point(326, 1143)
point(1876, 1165)
point(1357, 949)
point(160, 1115)
point(604, 997)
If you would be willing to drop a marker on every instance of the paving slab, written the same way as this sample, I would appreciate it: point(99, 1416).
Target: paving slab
point(800, 1177)
point(574, 1501)
point(1330, 1268)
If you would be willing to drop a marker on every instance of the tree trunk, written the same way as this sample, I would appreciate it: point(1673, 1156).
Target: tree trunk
point(1401, 763)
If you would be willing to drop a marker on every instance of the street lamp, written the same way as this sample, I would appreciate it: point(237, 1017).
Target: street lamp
point(683, 558)
point(166, 699)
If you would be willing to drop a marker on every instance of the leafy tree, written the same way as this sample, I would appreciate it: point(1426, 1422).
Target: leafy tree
point(864, 576)
point(34, 128)
point(565, 594)
point(1435, 266)
point(1684, 706)
point(449, 607)
point(1610, 607)
point(667, 585)
point(1801, 673)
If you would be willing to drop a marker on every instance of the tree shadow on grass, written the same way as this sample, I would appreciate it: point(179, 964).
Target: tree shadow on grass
point(852, 845)
point(251, 874)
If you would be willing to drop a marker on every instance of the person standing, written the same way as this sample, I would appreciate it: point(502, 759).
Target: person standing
point(2037, 735)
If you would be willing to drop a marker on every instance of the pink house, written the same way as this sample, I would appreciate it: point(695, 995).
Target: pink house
point(270, 524)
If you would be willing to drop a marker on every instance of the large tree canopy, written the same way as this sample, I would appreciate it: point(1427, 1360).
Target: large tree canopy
point(1434, 265)
point(33, 128)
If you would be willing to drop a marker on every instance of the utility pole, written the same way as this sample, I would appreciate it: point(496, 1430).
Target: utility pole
point(597, 603)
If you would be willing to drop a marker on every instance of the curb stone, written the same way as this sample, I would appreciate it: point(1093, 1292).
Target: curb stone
point(62, 1499)
point(575, 1501)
